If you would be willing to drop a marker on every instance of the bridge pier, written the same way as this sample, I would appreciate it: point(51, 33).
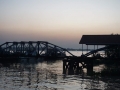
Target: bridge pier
point(90, 67)
point(64, 67)
point(71, 67)
point(76, 65)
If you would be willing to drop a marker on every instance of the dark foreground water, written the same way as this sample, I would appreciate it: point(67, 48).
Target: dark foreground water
point(47, 75)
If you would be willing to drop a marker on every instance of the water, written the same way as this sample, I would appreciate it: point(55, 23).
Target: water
point(48, 75)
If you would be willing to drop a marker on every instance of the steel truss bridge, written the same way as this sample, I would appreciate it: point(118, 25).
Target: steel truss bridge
point(39, 49)
point(32, 49)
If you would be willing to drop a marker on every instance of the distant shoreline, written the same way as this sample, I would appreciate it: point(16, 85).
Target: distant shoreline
point(80, 49)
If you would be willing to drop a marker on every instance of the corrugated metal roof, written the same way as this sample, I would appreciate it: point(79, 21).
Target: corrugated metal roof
point(100, 39)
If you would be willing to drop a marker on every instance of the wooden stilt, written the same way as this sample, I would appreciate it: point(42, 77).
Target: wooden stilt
point(64, 67)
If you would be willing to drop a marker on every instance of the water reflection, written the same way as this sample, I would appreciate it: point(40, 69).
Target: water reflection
point(47, 75)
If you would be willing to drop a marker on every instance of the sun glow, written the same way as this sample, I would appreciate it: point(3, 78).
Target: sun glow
point(57, 21)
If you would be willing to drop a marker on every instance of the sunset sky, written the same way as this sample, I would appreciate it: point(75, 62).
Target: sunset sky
point(61, 22)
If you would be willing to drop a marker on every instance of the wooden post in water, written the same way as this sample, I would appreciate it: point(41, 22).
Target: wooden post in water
point(71, 67)
point(77, 68)
point(64, 67)
point(90, 67)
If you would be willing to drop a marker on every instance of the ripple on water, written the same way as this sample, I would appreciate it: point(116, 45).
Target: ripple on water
point(48, 76)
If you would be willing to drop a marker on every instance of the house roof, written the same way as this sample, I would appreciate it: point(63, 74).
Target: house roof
point(100, 39)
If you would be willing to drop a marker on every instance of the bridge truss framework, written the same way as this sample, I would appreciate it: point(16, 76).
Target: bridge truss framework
point(32, 48)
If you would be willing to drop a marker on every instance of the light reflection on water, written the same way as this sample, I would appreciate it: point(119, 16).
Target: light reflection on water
point(47, 75)
point(44, 76)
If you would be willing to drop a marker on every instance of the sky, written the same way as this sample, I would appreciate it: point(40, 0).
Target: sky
point(61, 22)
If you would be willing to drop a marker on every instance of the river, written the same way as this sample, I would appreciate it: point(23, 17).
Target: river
point(48, 75)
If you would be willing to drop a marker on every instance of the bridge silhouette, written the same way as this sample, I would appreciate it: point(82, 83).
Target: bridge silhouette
point(71, 63)
point(32, 49)
point(45, 49)
point(39, 49)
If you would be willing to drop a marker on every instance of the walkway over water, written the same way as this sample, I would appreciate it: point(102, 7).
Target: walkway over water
point(32, 49)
